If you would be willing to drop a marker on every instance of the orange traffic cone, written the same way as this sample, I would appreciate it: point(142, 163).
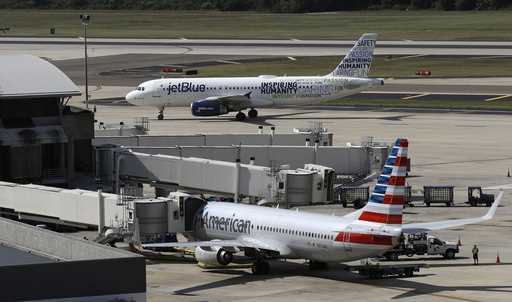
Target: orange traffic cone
point(498, 257)
point(459, 243)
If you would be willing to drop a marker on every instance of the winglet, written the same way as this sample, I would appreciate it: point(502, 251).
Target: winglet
point(490, 214)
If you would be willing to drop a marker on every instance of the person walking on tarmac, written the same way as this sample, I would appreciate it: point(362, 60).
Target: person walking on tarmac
point(475, 254)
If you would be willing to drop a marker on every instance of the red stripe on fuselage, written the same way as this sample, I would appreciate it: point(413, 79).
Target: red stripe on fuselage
point(364, 238)
point(381, 218)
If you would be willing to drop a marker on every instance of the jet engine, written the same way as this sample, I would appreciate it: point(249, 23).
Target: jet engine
point(213, 255)
point(208, 108)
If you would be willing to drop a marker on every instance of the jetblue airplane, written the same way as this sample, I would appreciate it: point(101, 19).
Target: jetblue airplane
point(218, 96)
point(262, 233)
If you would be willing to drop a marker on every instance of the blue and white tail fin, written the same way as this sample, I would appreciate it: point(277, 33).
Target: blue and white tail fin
point(388, 197)
point(358, 60)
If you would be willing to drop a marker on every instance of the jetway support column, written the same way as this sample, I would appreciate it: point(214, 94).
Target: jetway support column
point(237, 180)
point(101, 211)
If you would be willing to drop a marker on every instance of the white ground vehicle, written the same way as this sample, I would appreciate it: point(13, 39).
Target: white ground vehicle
point(423, 244)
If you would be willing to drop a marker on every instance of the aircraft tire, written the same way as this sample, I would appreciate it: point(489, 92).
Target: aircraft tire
point(240, 116)
point(160, 117)
point(252, 113)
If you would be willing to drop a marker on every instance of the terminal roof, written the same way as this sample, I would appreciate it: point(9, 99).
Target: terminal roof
point(28, 76)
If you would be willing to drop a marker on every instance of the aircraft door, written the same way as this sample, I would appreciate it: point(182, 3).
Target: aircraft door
point(157, 91)
point(192, 206)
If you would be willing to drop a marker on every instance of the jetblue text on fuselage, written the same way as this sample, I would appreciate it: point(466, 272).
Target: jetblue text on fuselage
point(185, 87)
point(226, 224)
point(278, 87)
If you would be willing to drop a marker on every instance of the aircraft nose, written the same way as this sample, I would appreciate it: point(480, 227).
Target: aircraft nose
point(131, 96)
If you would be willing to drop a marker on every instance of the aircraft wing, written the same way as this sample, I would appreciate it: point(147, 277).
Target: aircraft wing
point(221, 243)
point(234, 102)
point(242, 242)
point(445, 224)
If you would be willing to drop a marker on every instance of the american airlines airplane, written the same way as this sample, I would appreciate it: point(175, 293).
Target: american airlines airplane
point(262, 233)
point(218, 96)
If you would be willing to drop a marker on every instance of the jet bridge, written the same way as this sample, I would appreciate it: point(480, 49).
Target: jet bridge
point(345, 160)
point(201, 175)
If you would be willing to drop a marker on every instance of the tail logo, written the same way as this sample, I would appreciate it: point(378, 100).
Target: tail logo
point(388, 196)
point(358, 60)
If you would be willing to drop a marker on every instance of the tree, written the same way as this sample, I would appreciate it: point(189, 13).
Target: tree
point(446, 4)
point(465, 4)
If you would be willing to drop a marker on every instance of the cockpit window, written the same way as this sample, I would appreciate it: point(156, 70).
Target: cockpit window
point(140, 88)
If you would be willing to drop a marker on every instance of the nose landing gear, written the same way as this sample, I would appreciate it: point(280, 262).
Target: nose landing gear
point(160, 114)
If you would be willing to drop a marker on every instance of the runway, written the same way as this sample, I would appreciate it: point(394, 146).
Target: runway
point(69, 48)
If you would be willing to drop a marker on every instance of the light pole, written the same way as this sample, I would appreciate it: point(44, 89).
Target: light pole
point(85, 21)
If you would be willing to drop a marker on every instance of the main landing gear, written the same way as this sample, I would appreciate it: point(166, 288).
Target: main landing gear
point(240, 116)
point(253, 113)
point(317, 265)
point(160, 114)
point(261, 267)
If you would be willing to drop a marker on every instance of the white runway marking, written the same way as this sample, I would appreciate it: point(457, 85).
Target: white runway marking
point(499, 98)
point(229, 62)
point(416, 96)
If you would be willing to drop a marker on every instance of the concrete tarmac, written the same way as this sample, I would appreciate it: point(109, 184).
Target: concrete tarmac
point(461, 149)
point(71, 48)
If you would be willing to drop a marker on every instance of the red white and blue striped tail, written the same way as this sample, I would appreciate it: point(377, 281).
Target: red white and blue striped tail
point(388, 197)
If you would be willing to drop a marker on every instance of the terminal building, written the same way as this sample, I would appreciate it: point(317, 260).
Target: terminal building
point(42, 139)
point(40, 265)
